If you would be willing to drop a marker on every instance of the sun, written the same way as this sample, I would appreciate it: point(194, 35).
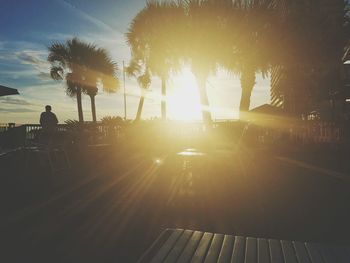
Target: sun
point(183, 98)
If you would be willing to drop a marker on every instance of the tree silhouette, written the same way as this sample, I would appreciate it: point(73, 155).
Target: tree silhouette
point(308, 46)
point(151, 36)
point(248, 25)
point(144, 80)
point(83, 66)
point(65, 60)
point(100, 71)
point(302, 39)
point(205, 34)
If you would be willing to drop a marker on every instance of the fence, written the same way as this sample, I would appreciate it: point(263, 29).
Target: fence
point(92, 133)
point(320, 132)
point(19, 135)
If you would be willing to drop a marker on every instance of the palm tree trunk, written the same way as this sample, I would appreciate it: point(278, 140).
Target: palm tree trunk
point(247, 85)
point(163, 102)
point(93, 107)
point(79, 104)
point(140, 107)
point(204, 100)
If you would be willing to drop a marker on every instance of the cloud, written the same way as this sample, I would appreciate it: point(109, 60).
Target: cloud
point(37, 60)
point(44, 89)
point(44, 76)
point(5, 56)
point(28, 57)
point(16, 110)
point(97, 22)
point(59, 36)
point(33, 57)
point(14, 101)
point(106, 36)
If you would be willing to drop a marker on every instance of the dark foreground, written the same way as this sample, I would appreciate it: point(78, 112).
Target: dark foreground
point(111, 208)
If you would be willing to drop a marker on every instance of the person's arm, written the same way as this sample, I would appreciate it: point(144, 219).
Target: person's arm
point(56, 120)
point(41, 119)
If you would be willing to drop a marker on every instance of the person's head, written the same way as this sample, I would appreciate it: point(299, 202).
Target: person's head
point(48, 108)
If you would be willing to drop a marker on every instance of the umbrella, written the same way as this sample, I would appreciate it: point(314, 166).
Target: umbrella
point(4, 91)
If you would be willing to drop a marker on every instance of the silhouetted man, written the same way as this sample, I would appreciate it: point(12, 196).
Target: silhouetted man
point(48, 119)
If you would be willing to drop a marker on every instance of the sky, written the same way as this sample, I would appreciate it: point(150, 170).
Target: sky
point(28, 27)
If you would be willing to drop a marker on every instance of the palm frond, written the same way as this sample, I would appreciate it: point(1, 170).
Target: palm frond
point(56, 73)
point(71, 89)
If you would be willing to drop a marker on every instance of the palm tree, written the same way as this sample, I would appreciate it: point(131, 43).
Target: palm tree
point(206, 40)
point(143, 78)
point(100, 71)
point(311, 37)
point(66, 61)
point(249, 26)
point(82, 65)
point(151, 36)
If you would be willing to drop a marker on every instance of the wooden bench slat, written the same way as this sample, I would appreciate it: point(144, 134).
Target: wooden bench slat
point(190, 248)
point(201, 251)
point(183, 246)
point(314, 253)
point(301, 252)
point(214, 249)
point(251, 250)
point(276, 255)
point(288, 252)
point(163, 252)
point(154, 248)
point(238, 250)
point(179, 246)
point(263, 251)
point(226, 249)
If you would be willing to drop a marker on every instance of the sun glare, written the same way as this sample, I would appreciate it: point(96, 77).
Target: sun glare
point(183, 98)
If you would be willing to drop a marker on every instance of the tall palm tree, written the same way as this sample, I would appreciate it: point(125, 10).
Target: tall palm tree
point(81, 65)
point(249, 26)
point(204, 42)
point(311, 37)
point(100, 71)
point(151, 36)
point(66, 61)
point(143, 78)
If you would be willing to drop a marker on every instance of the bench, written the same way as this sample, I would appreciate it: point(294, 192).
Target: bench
point(179, 245)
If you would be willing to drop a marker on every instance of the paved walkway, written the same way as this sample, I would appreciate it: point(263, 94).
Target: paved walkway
point(124, 201)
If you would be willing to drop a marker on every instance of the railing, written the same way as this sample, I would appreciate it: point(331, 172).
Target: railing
point(19, 135)
point(308, 132)
point(32, 130)
point(92, 133)
point(320, 132)
point(5, 126)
